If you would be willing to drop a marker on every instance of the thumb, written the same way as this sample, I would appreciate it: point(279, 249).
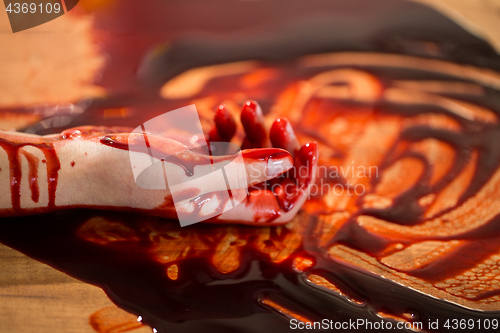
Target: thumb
point(231, 172)
point(263, 164)
point(186, 168)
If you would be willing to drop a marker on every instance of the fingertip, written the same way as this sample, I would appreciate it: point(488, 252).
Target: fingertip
point(283, 136)
point(252, 120)
point(306, 161)
point(251, 108)
point(224, 123)
point(308, 152)
point(277, 165)
point(266, 163)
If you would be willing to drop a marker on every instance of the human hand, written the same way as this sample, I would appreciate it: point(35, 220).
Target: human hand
point(83, 169)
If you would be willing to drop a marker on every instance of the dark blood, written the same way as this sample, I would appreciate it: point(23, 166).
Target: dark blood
point(224, 122)
point(203, 299)
point(33, 175)
point(254, 125)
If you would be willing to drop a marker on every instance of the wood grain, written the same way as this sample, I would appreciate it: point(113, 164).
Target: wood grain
point(37, 298)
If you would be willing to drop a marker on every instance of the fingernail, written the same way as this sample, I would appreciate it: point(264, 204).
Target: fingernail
point(278, 160)
point(276, 165)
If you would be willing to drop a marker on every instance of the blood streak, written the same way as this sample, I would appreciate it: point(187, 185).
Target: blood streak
point(33, 175)
point(189, 162)
point(13, 152)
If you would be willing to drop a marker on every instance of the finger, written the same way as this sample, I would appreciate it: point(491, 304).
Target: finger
point(236, 206)
point(208, 206)
point(257, 208)
point(224, 126)
point(155, 158)
point(223, 189)
point(280, 202)
point(186, 170)
point(252, 120)
point(265, 163)
point(290, 191)
point(146, 154)
point(283, 136)
point(219, 173)
point(306, 162)
point(287, 193)
point(260, 208)
point(224, 122)
point(154, 146)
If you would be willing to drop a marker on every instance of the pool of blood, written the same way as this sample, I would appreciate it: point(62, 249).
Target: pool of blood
point(202, 297)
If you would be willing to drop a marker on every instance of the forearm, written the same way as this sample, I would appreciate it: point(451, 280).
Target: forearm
point(20, 172)
point(40, 174)
point(99, 176)
point(91, 166)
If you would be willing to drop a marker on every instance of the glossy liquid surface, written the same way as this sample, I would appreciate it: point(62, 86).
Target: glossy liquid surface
point(419, 239)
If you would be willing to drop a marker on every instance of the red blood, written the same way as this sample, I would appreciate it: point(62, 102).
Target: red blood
point(287, 194)
point(213, 136)
point(88, 131)
point(304, 161)
point(279, 135)
point(225, 124)
point(253, 123)
point(264, 205)
point(33, 175)
point(283, 136)
point(264, 154)
point(13, 149)
point(187, 163)
point(72, 163)
point(167, 208)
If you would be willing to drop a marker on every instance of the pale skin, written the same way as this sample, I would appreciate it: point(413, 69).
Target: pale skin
point(96, 175)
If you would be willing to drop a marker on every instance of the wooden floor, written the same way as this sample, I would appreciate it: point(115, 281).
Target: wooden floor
point(35, 297)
